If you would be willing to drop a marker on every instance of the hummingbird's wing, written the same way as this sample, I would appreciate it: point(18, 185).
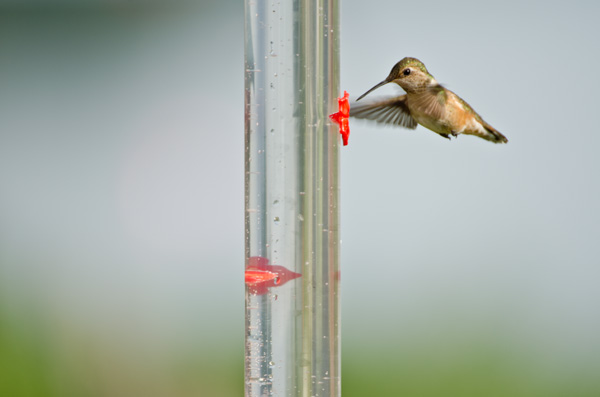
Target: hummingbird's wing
point(387, 111)
point(431, 102)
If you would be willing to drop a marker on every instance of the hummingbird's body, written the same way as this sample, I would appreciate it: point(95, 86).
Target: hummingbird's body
point(427, 103)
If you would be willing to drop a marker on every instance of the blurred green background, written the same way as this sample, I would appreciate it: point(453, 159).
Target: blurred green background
point(470, 269)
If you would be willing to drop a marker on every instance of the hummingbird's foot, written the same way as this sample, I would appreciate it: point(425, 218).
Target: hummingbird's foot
point(454, 134)
point(446, 136)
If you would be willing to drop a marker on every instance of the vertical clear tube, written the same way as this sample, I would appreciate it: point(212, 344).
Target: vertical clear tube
point(292, 190)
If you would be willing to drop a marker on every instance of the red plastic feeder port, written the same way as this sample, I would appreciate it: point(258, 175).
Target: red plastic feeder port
point(260, 276)
point(341, 117)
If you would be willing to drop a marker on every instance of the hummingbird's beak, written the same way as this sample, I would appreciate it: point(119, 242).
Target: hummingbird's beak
point(384, 82)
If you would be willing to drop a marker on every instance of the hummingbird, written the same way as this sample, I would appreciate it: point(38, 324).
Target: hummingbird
point(426, 102)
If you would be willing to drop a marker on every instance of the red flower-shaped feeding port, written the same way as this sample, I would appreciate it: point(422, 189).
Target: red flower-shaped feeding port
point(260, 276)
point(341, 117)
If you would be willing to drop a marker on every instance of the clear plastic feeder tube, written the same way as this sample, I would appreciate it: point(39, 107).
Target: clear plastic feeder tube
point(292, 190)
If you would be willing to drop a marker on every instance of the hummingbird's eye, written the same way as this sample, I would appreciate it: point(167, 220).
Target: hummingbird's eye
point(406, 72)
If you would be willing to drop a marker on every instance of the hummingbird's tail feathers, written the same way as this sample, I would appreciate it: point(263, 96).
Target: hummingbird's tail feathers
point(485, 131)
point(493, 134)
point(387, 111)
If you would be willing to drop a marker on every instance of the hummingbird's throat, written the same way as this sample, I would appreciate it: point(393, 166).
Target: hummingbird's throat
point(418, 85)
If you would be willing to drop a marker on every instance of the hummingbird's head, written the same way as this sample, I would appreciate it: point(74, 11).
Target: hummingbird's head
point(410, 74)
